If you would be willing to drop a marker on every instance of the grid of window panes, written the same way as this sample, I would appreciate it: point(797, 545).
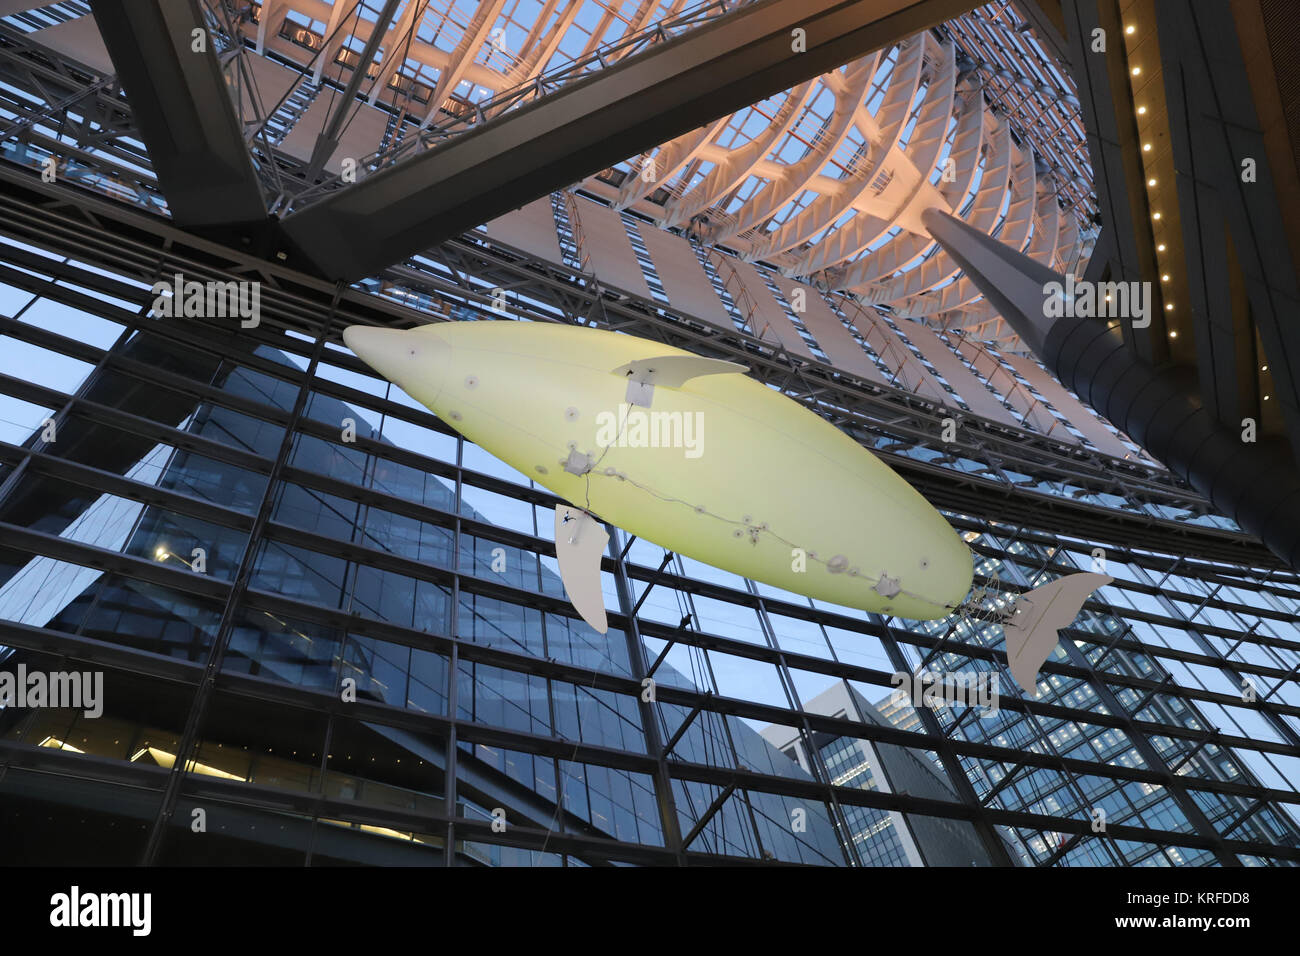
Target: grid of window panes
point(380, 597)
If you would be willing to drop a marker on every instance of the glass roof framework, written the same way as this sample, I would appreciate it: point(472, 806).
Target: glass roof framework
point(816, 181)
point(824, 182)
point(791, 199)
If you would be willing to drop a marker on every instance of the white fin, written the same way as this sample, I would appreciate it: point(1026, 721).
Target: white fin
point(670, 371)
point(1031, 631)
point(580, 540)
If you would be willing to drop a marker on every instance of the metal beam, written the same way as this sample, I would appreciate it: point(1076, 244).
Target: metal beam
point(592, 123)
point(182, 109)
point(328, 139)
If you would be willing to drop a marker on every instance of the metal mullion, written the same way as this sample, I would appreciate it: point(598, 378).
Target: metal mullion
point(214, 587)
point(530, 742)
point(1191, 810)
point(60, 415)
point(636, 652)
point(726, 733)
point(1264, 706)
point(233, 601)
point(450, 796)
point(816, 761)
point(993, 843)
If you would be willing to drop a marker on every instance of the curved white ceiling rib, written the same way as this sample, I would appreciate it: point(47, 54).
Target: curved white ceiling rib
point(898, 180)
point(850, 89)
point(871, 176)
point(964, 156)
point(668, 161)
point(1014, 230)
point(738, 164)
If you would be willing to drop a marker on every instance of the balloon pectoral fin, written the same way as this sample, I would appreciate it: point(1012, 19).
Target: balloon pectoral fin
point(580, 541)
point(1032, 630)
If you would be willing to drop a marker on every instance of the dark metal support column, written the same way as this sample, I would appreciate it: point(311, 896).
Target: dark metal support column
point(636, 656)
point(217, 650)
point(997, 849)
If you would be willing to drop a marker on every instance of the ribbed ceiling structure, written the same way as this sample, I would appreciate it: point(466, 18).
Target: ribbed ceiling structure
point(825, 181)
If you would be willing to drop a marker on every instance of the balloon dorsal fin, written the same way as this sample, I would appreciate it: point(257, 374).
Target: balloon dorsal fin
point(669, 371)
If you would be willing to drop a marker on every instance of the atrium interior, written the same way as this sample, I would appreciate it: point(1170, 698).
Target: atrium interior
point(331, 629)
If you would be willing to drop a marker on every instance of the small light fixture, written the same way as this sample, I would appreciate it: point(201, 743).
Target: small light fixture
point(1137, 71)
point(1165, 277)
point(160, 553)
point(1173, 333)
point(1169, 307)
point(1146, 147)
point(1142, 111)
point(1155, 215)
point(1129, 29)
point(1263, 368)
point(1151, 182)
point(1267, 397)
point(1160, 248)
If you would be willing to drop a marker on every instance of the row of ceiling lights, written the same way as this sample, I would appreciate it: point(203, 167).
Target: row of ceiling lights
point(1151, 181)
point(1151, 184)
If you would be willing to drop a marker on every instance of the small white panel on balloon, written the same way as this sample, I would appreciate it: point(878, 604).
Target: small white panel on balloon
point(640, 393)
point(580, 541)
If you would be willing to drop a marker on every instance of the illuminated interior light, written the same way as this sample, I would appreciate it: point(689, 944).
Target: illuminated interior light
point(1151, 182)
point(1129, 29)
point(1155, 215)
point(1142, 111)
point(1146, 147)
point(166, 759)
point(57, 744)
point(1165, 277)
point(1137, 71)
point(1160, 248)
